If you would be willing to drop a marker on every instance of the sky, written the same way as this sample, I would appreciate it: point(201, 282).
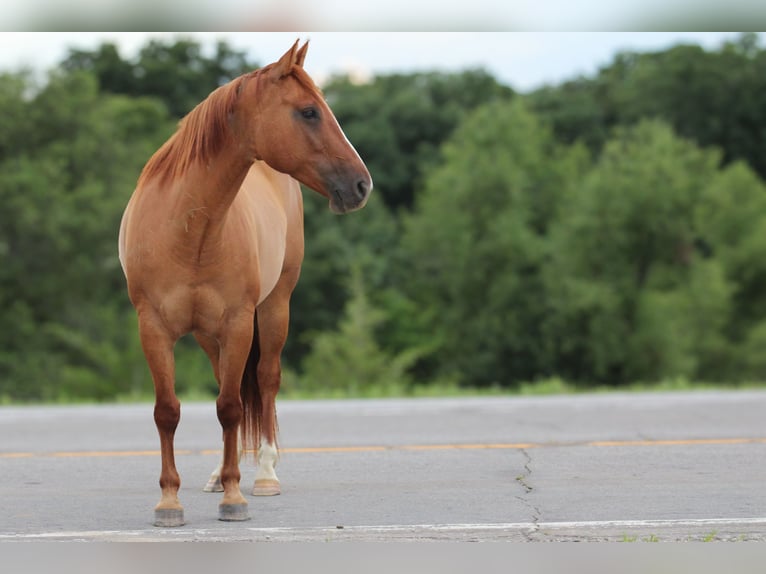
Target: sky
point(523, 60)
point(379, 15)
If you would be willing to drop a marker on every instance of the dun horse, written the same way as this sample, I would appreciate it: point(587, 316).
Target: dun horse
point(211, 243)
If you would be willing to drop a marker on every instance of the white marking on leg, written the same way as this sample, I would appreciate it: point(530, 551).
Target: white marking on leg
point(267, 461)
point(214, 482)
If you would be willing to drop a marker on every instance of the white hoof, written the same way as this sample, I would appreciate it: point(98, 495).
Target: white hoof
point(266, 487)
point(213, 485)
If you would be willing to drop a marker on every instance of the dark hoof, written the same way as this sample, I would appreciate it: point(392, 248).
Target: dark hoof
point(233, 512)
point(168, 517)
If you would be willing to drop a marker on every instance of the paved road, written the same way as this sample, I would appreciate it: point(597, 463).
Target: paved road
point(591, 467)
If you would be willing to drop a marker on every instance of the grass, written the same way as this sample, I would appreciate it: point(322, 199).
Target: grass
point(544, 387)
point(710, 537)
point(649, 538)
point(541, 387)
point(291, 390)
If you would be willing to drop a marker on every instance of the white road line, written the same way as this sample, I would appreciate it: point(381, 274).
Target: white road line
point(589, 527)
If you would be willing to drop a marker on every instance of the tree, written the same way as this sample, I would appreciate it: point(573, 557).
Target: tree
point(397, 122)
point(477, 244)
point(731, 221)
point(366, 240)
point(63, 186)
point(350, 359)
point(632, 296)
point(495, 249)
point(178, 73)
point(711, 97)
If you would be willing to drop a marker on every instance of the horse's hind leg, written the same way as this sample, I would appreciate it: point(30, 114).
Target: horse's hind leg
point(273, 319)
point(157, 344)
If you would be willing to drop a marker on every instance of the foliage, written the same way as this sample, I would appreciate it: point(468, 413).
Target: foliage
point(712, 97)
point(334, 246)
point(398, 121)
point(63, 184)
point(177, 73)
point(607, 231)
point(477, 245)
point(350, 359)
point(631, 296)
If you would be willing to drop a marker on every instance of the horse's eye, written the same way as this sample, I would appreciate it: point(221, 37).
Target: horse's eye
point(310, 113)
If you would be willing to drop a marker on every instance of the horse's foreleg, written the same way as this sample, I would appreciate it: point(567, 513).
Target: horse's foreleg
point(273, 319)
point(235, 348)
point(158, 349)
point(213, 350)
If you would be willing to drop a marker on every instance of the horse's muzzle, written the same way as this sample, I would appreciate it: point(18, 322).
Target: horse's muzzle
point(348, 198)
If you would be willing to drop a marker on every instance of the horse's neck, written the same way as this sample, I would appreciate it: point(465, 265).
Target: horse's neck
point(198, 202)
point(211, 188)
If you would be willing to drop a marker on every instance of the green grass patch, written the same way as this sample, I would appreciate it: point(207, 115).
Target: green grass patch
point(292, 390)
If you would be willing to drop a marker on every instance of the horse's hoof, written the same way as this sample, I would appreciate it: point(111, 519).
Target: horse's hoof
point(168, 517)
point(233, 512)
point(266, 487)
point(213, 485)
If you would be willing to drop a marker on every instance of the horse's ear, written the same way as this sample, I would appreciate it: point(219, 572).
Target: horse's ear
point(284, 65)
point(301, 55)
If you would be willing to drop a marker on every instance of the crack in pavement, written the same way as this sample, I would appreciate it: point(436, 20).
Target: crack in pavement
point(524, 481)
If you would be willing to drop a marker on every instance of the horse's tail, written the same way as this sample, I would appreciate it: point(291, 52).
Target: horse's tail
point(251, 394)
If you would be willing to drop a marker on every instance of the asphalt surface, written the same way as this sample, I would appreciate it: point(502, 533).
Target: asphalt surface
point(632, 467)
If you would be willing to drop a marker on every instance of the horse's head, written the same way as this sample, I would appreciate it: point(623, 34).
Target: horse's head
point(296, 133)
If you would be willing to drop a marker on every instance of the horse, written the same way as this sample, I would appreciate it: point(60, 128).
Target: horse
point(211, 243)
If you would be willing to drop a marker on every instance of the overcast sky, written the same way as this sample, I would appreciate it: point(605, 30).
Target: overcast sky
point(523, 60)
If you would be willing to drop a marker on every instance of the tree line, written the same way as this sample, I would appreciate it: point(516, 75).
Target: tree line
point(605, 230)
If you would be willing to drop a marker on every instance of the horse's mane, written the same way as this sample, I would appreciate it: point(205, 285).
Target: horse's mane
point(204, 131)
point(200, 134)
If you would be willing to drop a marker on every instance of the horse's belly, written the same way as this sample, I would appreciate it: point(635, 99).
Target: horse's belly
point(271, 236)
point(260, 211)
point(270, 273)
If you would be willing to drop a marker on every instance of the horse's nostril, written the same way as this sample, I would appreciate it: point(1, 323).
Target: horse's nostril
point(362, 188)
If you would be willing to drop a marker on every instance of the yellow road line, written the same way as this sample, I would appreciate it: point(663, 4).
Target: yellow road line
point(678, 442)
point(517, 446)
point(108, 453)
point(318, 449)
point(411, 447)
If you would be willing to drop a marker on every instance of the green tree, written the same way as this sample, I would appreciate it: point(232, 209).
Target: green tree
point(731, 220)
point(63, 186)
point(350, 359)
point(714, 97)
point(397, 122)
point(631, 295)
point(335, 245)
point(178, 73)
point(477, 244)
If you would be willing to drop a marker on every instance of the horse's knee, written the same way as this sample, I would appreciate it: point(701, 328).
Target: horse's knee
point(229, 409)
point(167, 413)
